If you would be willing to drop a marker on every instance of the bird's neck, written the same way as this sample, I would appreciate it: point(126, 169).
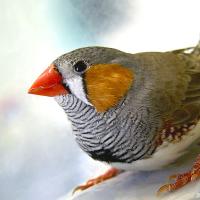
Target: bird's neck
point(76, 110)
point(101, 135)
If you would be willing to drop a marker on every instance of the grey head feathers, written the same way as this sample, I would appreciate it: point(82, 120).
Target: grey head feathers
point(122, 134)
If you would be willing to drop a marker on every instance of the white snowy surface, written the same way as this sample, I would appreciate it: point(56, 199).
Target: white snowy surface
point(143, 185)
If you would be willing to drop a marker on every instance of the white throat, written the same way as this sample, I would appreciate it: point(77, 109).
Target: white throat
point(76, 87)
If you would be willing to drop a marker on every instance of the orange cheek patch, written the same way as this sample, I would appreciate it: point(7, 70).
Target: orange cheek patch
point(106, 84)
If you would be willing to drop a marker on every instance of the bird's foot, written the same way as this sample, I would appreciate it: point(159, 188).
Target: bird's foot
point(182, 179)
point(107, 175)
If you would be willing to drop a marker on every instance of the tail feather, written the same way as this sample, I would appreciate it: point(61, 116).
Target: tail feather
point(191, 56)
point(196, 50)
point(190, 110)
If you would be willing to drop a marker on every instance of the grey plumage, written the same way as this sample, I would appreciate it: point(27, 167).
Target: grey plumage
point(114, 136)
point(128, 131)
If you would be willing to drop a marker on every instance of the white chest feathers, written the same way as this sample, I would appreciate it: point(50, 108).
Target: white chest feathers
point(165, 154)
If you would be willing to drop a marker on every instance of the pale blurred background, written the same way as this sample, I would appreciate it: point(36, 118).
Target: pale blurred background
point(39, 159)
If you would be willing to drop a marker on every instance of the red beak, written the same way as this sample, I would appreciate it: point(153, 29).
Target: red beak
point(49, 83)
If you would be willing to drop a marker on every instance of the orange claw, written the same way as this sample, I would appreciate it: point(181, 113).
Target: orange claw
point(164, 188)
point(107, 175)
point(195, 174)
point(173, 176)
point(182, 179)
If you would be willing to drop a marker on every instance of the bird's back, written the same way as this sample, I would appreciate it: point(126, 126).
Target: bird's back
point(170, 84)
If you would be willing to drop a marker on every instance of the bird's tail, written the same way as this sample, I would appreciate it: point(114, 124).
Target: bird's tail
point(191, 55)
point(196, 50)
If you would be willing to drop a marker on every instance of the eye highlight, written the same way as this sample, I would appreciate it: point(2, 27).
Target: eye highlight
point(80, 67)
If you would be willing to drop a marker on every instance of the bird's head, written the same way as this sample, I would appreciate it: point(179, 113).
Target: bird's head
point(95, 75)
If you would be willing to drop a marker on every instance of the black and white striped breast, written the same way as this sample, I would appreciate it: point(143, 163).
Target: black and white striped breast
point(110, 136)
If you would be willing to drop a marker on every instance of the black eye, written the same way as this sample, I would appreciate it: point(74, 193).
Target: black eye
point(80, 66)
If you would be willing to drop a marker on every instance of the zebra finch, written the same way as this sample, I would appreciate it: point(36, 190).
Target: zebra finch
point(132, 111)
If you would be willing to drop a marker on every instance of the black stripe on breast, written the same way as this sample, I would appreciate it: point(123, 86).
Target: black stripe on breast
point(105, 155)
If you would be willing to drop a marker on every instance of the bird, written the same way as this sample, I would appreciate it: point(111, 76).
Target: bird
point(131, 111)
